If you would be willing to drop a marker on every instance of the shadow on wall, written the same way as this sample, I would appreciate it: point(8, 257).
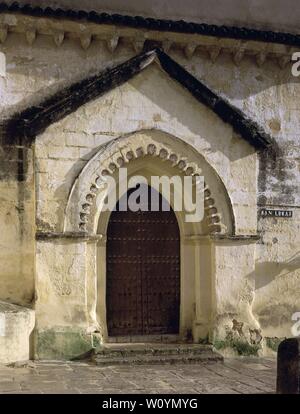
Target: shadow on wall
point(266, 272)
point(60, 192)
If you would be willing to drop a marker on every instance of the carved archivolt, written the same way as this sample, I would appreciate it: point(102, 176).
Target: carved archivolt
point(117, 154)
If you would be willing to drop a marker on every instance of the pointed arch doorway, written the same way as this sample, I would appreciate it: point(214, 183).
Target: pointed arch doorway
point(143, 270)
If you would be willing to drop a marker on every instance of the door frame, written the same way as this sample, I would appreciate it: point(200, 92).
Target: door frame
point(193, 309)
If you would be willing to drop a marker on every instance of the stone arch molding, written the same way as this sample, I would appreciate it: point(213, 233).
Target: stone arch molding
point(82, 208)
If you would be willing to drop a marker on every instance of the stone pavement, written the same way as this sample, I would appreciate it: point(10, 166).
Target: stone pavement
point(243, 375)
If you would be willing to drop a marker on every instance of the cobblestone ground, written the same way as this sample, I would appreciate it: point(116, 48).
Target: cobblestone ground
point(242, 375)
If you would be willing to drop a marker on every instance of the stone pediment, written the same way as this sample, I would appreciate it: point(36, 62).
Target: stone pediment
point(31, 122)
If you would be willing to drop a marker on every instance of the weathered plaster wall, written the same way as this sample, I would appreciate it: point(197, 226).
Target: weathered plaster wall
point(17, 229)
point(277, 275)
point(149, 101)
point(268, 94)
point(62, 298)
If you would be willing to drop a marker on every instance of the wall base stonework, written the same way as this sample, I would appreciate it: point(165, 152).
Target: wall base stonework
point(16, 326)
point(63, 343)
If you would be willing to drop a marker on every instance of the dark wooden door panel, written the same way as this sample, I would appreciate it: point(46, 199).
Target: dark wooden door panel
point(143, 273)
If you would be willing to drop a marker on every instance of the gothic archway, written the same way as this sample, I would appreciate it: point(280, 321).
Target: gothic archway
point(89, 190)
point(149, 153)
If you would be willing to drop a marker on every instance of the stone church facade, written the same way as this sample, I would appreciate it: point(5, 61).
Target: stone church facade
point(84, 94)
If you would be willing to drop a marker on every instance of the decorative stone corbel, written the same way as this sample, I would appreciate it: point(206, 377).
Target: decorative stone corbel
point(85, 40)
point(30, 35)
point(166, 45)
point(283, 61)
point(261, 58)
point(214, 52)
point(238, 56)
point(189, 50)
point(59, 38)
point(138, 44)
point(112, 43)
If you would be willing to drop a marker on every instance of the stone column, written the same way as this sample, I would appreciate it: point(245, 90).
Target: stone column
point(101, 287)
point(203, 289)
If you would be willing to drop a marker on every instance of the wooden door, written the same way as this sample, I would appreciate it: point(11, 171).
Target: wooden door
point(143, 272)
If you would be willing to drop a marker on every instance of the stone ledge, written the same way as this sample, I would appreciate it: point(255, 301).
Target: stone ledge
point(115, 30)
point(236, 237)
point(81, 236)
point(85, 236)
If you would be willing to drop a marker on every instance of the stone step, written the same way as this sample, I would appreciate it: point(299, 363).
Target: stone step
point(168, 339)
point(152, 349)
point(139, 354)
